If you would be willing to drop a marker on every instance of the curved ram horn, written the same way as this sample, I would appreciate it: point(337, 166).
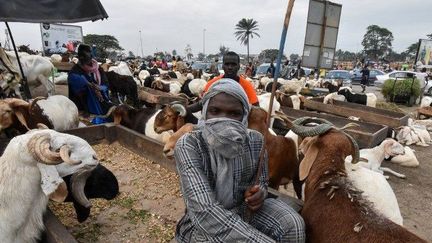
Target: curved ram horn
point(302, 131)
point(356, 155)
point(180, 109)
point(78, 181)
point(39, 148)
point(64, 154)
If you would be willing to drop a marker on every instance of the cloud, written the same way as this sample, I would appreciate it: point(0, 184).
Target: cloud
point(172, 24)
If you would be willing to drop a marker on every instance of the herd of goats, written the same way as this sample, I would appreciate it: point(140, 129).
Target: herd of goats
point(346, 195)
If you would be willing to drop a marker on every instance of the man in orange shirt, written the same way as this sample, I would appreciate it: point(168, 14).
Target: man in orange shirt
point(231, 66)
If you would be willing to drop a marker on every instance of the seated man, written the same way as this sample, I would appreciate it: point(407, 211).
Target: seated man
point(217, 166)
point(87, 84)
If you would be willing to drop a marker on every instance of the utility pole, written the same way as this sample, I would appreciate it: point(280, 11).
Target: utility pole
point(142, 51)
point(204, 30)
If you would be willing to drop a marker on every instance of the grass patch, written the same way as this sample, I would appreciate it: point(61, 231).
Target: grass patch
point(164, 233)
point(134, 216)
point(88, 233)
point(125, 202)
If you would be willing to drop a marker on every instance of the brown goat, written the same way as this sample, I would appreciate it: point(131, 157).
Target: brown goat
point(335, 211)
point(173, 117)
point(19, 116)
point(282, 153)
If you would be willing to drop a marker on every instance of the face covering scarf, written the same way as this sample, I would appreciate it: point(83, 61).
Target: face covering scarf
point(225, 139)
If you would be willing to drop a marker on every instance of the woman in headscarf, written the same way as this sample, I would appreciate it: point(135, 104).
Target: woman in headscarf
point(217, 164)
point(88, 85)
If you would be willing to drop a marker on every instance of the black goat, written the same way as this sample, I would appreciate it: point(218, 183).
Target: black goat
point(124, 85)
point(331, 87)
point(353, 98)
point(102, 183)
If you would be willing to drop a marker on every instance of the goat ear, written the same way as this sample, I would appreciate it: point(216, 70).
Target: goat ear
point(307, 162)
point(387, 148)
point(60, 194)
point(310, 151)
point(52, 184)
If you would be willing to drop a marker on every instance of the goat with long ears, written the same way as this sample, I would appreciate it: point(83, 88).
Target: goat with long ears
point(334, 210)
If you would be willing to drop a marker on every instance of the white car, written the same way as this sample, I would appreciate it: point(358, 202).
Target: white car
point(400, 75)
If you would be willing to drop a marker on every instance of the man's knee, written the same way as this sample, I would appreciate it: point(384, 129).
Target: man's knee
point(290, 225)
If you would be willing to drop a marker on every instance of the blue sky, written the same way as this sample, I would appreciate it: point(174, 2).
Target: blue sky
point(172, 24)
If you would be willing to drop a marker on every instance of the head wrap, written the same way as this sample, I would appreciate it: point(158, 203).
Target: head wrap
point(230, 87)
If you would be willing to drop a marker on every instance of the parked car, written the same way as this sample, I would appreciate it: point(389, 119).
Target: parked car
point(336, 75)
point(400, 75)
point(356, 76)
point(261, 70)
point(204, 66)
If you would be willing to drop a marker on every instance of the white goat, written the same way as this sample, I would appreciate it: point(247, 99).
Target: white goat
point(375, 156)
point(293, 86)
point(37, 70)
point(143, 74)
point(427, 123)
point(196, 86)
point(333, 96)
point(22, 199)
point(55, 58)
point(264, 102)
point(426, 101)
point(408, 159)
point(122, 68)
point(61, 112)
point(377, 190)
point(415, 134)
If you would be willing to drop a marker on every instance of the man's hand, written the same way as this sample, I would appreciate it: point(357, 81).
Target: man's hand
point(254, 197)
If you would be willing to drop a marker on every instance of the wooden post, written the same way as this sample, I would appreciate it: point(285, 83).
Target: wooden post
point(280, 53)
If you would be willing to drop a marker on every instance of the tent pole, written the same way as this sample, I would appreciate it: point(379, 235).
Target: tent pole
point(24, 79)
point(279, 57)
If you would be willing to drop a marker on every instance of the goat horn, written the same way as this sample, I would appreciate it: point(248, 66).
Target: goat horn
point(78, 181)
point(301, 130)
point(42, 126)
point(110, 111)
point(180, 109)
point(39, 147)
point(64, 154)
point(356, 155)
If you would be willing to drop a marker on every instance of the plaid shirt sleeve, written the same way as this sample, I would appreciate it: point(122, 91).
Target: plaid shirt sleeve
point(205, 212)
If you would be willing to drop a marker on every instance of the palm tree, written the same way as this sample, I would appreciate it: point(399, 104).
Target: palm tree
point(245, 29)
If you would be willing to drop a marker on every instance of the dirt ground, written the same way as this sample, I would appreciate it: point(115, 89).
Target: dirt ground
point(146, 210)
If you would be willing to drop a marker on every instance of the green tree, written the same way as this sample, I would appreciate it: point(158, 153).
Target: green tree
point(411, 51)
point(104, 44)
point(174, 53)
point(268, 55)
point(377, 42)
point(246, 29)
point(130, 54)
point(223, 49)
point(429, 36)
